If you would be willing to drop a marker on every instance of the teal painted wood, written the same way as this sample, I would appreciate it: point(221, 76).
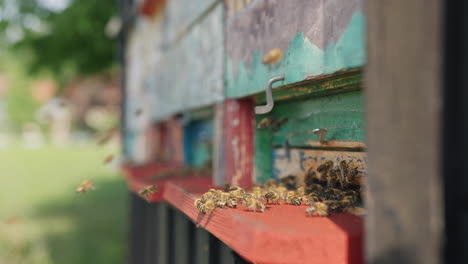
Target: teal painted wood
point(198, 142)
point(342, 115)
point(317, 37)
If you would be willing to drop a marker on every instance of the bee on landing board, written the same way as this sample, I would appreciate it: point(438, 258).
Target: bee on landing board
point(85, 186)
point(293, 198)
point(253, 204)
point(272, 196)
point(146, 192)
point(318, 209)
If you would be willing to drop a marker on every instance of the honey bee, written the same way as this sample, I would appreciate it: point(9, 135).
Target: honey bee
point(293, 198)
point(146, 192)
point(237, 194)
point(318, 209)
point(331, 176)
point(199, 204)
point(208, 207)
point(108, 159)
point(265, 123)
point(276, 124)
point(271, 183)
point(352, 175)
point(232, 203)
point(325, 166)
point(344, 171)
point(222, 200)
point(272, 196)
point(257, 192)
point(336, 206)
point(312, 198)
point(85, 186)
point(332, 194)
point(273, 56)
point(315, 188)
point(253, 204)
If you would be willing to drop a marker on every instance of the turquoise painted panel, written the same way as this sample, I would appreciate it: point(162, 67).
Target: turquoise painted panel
point(198, 142)
point(317, 37)
point(342, 115)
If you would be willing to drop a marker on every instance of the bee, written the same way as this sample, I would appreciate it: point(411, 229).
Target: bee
point(331, 177)
point(276, 124)
point(232, 202)
point(312, 198)
point(318, 209)
point(238, 194)
point(314, 188)
point(199, 204)
point(85, 186)
point(293, 198)
point(106, 135)
point(344, 171)
point(146, 192)
point(265, 123)
point(332, 194)
point(257, 192)
point(352, 175)
point(272, 196)
point(325, 166)
point(108, 159)
point(289, 182)
point(208, 207)
point(273, 56)
point(222, 200)
point(253, 204)
point(336, 206)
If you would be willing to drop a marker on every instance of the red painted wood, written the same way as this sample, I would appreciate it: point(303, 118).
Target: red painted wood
point(282, 234)
point(175, 140)
point(239, 140)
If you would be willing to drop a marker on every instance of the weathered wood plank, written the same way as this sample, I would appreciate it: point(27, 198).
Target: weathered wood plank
point(184, 79)
point(163, 234)
point(202, 246)
point(316, 37)
point(403, 96)
point(219, 169)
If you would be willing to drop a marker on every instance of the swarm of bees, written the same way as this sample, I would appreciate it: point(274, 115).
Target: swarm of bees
point(146, 192)
point(325, 190)
point(85, 186)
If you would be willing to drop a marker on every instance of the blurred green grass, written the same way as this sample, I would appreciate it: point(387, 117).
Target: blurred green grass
point(43, 219)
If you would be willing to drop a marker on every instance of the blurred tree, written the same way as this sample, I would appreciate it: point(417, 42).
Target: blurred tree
point(64, 37)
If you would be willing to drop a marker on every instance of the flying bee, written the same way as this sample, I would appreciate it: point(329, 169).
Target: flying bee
point(146, 192)
point(108, 159)
point(276, 124)
point(85, 186)
point(253, 204)
point(272, 196)
point(265, 123)
point(318, 209)
point(273, 56)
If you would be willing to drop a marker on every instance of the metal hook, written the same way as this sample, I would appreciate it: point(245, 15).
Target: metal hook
point(322, 133)
point(265, 109)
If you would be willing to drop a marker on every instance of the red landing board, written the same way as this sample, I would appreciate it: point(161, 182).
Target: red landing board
point(282, 234)
point(140, 177)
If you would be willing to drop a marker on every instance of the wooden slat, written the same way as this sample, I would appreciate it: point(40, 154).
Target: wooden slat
point(256, 236)
point(163, 234)
point(202, 246)
point(181, 245)
point(403, 95)
point(316, 37)
point(238, 122)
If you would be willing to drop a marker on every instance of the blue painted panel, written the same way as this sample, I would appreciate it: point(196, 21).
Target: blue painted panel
point(198, 142)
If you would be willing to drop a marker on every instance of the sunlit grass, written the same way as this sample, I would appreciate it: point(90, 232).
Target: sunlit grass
point(43, 219)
